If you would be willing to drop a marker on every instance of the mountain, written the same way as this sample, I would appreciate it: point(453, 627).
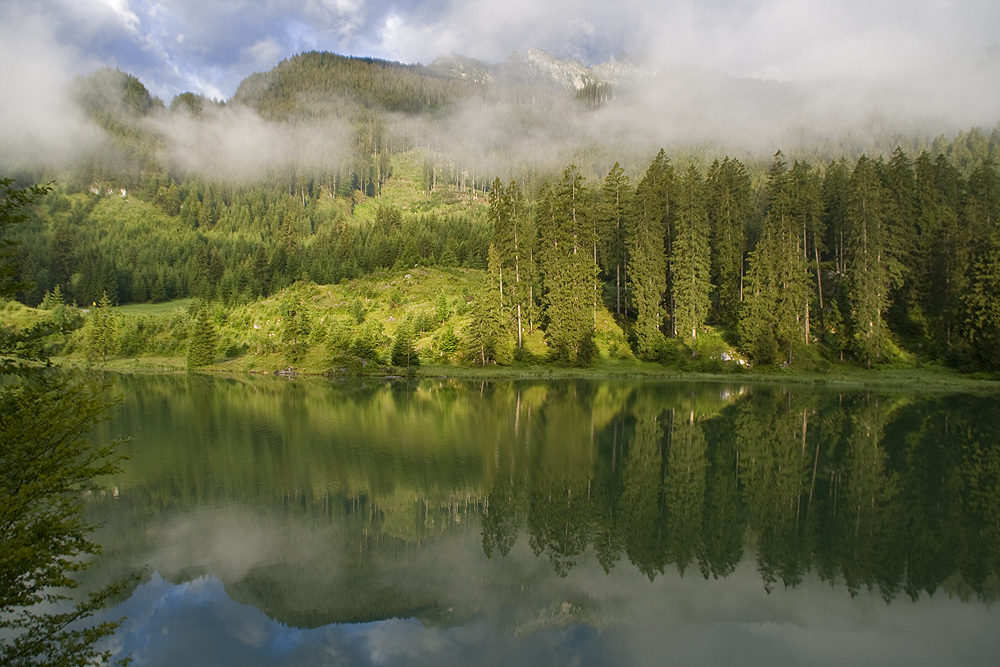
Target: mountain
point(542, 68)
point(538, 68)
point(321, 83)
point(317, 84)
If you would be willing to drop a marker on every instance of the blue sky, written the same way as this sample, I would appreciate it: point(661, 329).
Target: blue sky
point(208, 47)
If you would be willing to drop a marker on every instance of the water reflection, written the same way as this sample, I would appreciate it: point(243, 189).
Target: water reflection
point(562, 507)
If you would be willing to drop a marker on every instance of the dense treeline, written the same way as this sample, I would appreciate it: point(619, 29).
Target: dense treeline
point(225, 243)
point(870, 260)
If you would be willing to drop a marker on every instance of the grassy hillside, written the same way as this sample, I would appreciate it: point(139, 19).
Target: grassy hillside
point(348, 328)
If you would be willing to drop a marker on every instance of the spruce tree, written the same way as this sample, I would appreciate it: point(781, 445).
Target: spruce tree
point(568, 269)
point(730, 205)
point(102, 334)
point(204, 340)
point(612, 223)
point(872, 271)
point(489, 335)
point(943, 248)
point(512, 248)
point(691, 259)
point(778, 281)
point(806, 210)
point(647, 258)
point(295, 329)
point(982, 320)
point(835, 194)
point(403, 353)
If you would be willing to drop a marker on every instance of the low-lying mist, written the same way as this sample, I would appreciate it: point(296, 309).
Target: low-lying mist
point(690, 112)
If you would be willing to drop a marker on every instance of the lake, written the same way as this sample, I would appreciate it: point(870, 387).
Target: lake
point(444, 522)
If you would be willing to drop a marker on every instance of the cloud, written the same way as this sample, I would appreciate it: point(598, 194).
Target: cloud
point(39, 123)
point(785, 40)
point(235, 144)
point(751, 74)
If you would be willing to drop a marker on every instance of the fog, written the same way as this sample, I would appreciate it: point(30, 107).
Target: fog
point(717, 78)
point(40, 124)
point(235, 144)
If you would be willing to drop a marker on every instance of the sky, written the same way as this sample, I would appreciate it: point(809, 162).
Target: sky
point(209, 46)
point(749, 75)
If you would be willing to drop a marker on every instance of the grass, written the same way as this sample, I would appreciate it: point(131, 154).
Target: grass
point(155, 308)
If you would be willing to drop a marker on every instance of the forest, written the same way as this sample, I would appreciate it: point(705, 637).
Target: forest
point(878, 257)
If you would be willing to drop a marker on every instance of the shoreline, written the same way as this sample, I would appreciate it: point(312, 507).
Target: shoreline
point(909, 380)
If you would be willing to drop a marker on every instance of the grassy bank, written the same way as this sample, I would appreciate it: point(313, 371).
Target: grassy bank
point(348, 330)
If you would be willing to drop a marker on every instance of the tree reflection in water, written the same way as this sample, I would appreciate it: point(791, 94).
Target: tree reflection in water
point(334, 492)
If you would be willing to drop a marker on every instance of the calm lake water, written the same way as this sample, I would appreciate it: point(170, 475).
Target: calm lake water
point(310, 522)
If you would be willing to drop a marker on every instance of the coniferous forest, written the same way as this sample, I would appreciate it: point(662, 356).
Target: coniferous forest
point(885, 253)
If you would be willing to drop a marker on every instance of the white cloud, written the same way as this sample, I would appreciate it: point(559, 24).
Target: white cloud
point(264, 54)
point(39, 123)
point(121, 9)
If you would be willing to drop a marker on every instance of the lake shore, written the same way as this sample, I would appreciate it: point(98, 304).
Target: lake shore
point(910, 379)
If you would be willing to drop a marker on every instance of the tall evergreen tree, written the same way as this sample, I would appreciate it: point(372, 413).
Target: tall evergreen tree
point(900, 210)
point(403, 352)
point(982, 325)
point(943, 248)
point(295, 329)
point(510, 240)
point(779, 282)
point(730, 205)
point(872, 270)
point(568, 269)
point(691, 258)
point(489, 335)
point(807, 210)
point(835, 194)
point(204, 340)
point(102, 333)
point(646, 253)
point(612, 216)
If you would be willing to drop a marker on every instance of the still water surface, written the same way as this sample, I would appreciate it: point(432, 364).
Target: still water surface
point(573, 522)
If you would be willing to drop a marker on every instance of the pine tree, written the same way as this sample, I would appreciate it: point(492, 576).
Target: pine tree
point(204, 340)
point(507, 213)
point(982, 324)
point(807, 212)
point(295, 329)
point(730, 205)
point(568, 268)
point(612, 223)
point(943, 248)
point(779, 282)
point(646, 256)
point(102, 339)
point(872, 271)
point(691, 258)
point(403, 352)
point(489, 335)
point(835, 195)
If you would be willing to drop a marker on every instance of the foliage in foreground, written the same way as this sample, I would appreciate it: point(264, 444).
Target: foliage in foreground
point(49, 463)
